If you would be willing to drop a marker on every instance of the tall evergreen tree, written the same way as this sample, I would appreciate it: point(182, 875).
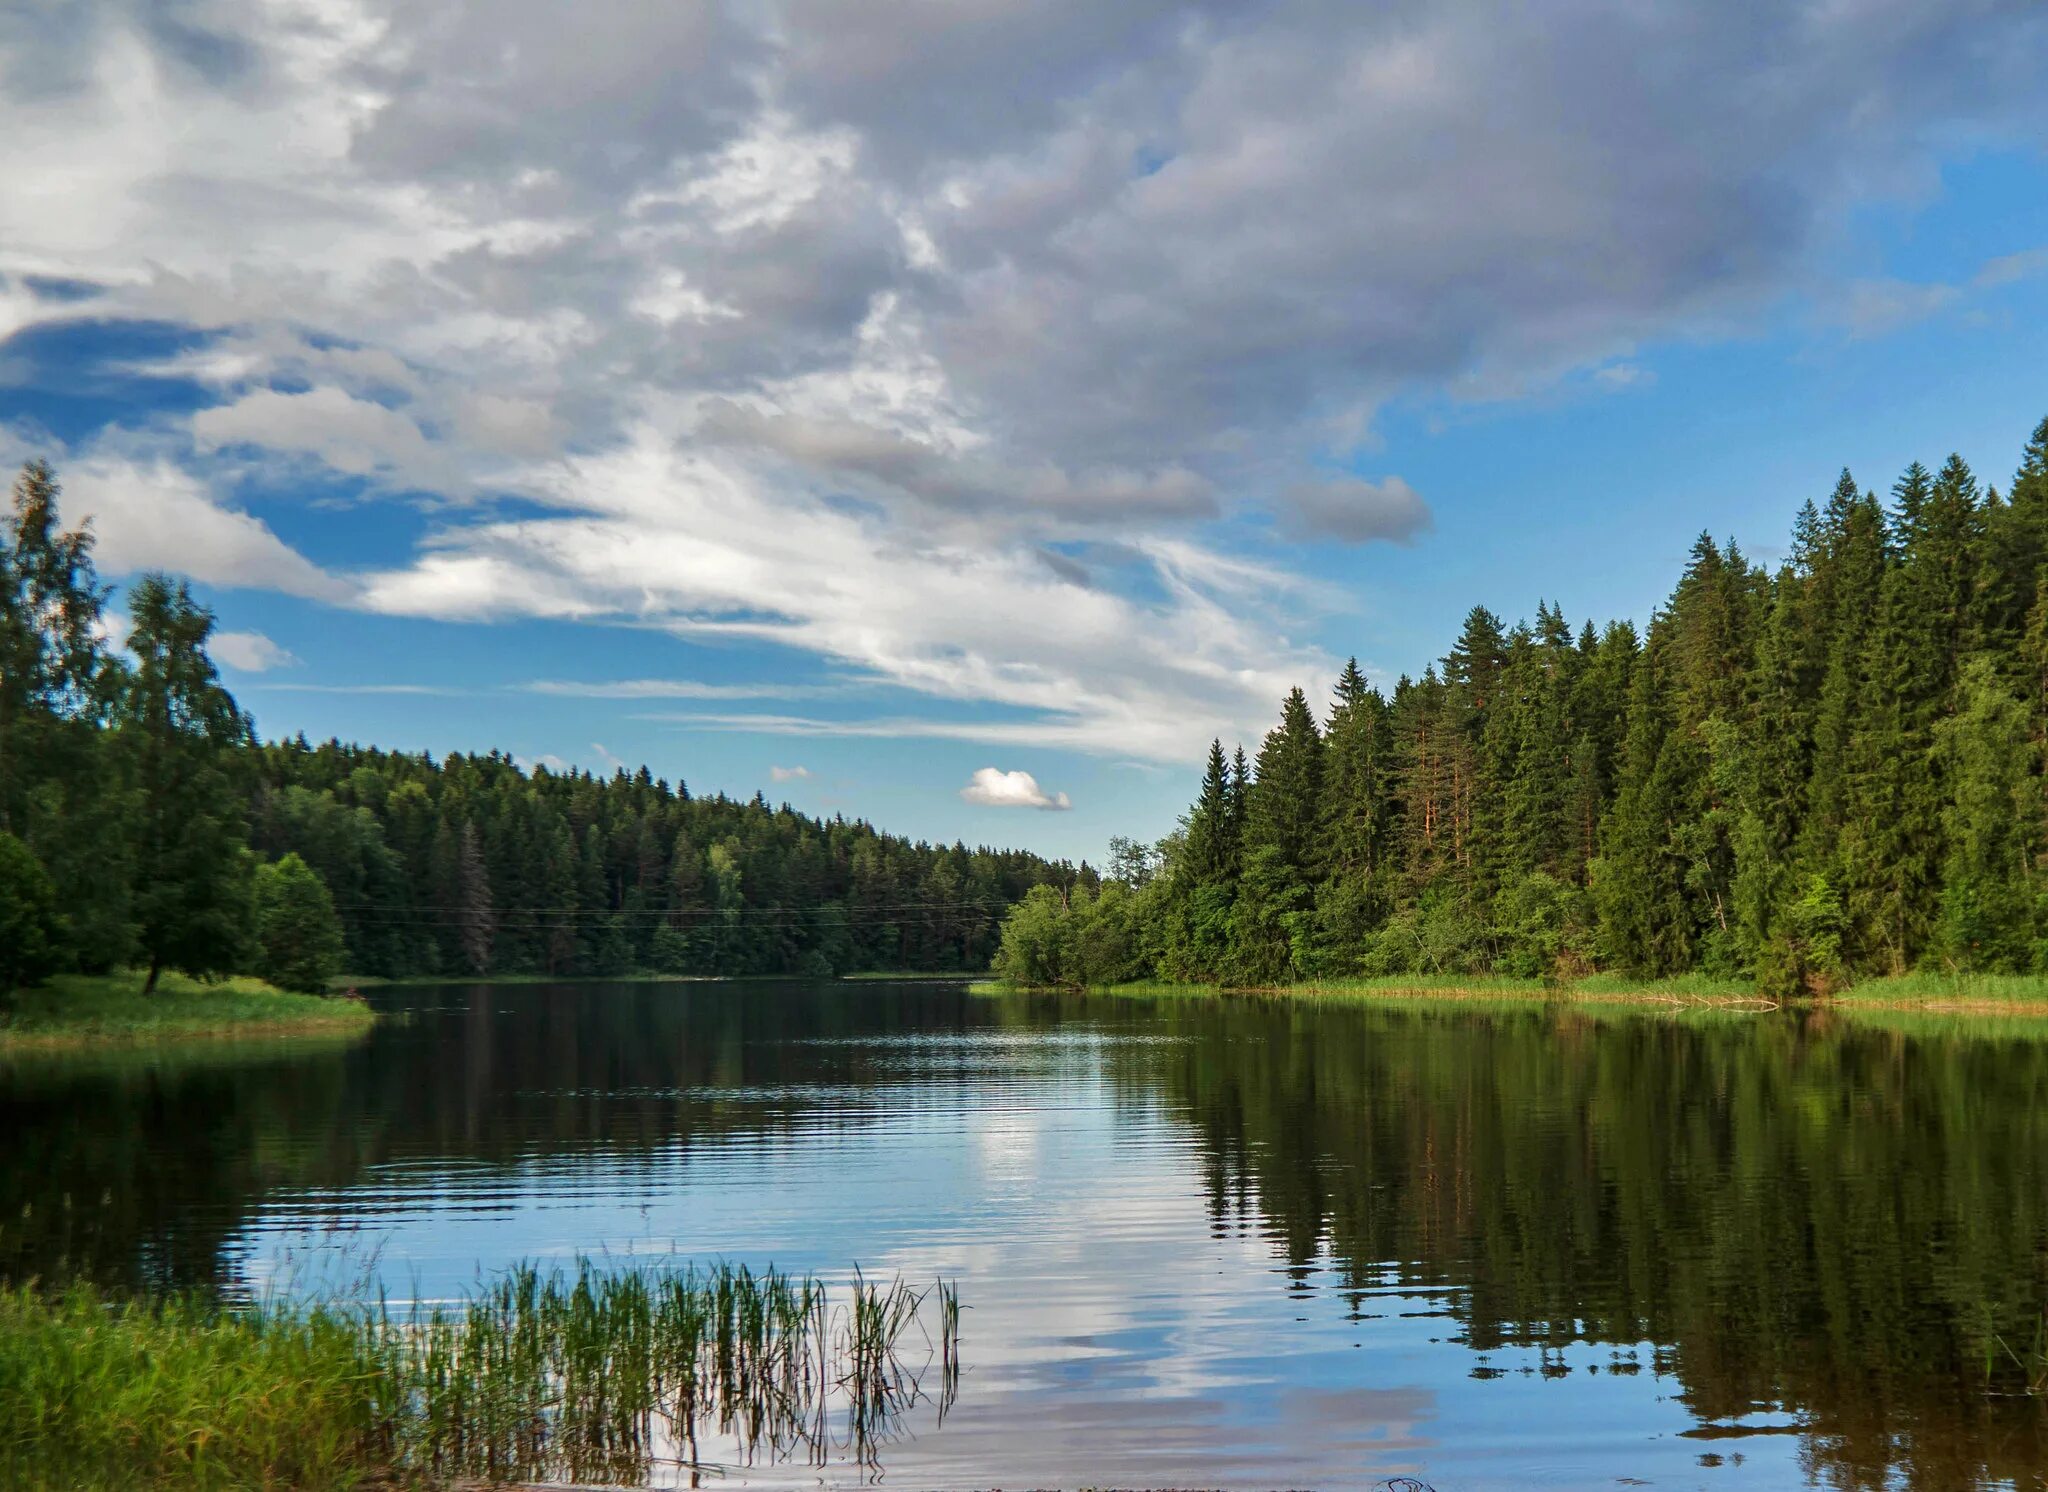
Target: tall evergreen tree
point(181, 731)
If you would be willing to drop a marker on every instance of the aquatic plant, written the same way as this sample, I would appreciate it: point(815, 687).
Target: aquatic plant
point(584, 1375)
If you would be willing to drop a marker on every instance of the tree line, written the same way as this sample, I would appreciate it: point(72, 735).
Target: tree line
point(144, 822)
point(1803, 776)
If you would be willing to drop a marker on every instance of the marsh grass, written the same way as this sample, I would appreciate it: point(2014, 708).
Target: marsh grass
point(583, 1376)
point(2020, 1362)
point(86, 1009)
point(1934, 987)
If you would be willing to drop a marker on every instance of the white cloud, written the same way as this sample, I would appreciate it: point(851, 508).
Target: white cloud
point(250, 652)
point(993, 788)
point(153, 515)
point(927, 348)
point(352, 435)
point(691, 541)
point(789, 774)
point(674, 689)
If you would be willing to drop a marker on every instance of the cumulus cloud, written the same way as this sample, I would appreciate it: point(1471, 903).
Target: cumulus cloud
point(789, 774)
point(828, 323)
point(1352, 510)
point(352, 435)
point(994, 788)
point(250, 652)
point(154, 515)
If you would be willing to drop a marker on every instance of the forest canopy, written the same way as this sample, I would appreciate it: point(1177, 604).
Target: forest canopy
point(1801, 776)
point(143, 821)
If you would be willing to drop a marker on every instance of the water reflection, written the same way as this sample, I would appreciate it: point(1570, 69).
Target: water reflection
point(1245, 1242)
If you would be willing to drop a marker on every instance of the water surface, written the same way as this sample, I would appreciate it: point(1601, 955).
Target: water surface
point(1242, 1242)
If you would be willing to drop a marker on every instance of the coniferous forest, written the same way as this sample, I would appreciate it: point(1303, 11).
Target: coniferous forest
point(143, 822)
point(1804, 776)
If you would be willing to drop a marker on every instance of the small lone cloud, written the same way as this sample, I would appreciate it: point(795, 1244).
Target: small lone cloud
point(1618, 376)
point(1352, 510)
point(250, 652)
point(788, 774)
point(994, 788)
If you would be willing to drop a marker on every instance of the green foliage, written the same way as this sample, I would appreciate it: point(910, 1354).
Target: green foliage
point(1799, 779)
point(1074, 937)
point(31, 933)
point(1543, 926)
point(1804, 954)
point(181, 733)
point(298, 937)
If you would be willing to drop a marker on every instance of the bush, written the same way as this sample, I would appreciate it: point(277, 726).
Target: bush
point(1542, 925)
point(298, 936)
point(1439, 936)
point(1804, 957)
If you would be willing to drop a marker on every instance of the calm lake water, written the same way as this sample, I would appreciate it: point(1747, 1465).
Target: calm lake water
point(1233, 1242)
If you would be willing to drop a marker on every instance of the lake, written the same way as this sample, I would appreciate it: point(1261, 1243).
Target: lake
point(1240, 1242)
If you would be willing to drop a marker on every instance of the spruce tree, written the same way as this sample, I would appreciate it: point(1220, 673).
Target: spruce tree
point(1273, 919)
point(1991, 824)
point(1352, 897)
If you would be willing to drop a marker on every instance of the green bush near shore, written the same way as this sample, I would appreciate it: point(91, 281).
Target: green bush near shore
point(95, 1007)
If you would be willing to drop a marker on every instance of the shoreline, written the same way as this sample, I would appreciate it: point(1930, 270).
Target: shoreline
point(74, 1011)
point(378, 981)
point(1962, 996)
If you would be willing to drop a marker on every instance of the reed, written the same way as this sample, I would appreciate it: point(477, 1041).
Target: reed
point(585, 1375)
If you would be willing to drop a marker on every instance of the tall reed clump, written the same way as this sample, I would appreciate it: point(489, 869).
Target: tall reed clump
point(589, 1375)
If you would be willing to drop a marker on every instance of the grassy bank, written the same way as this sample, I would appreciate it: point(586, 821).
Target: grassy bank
point(372, 981)
point(587, 1376)
point(1962, 994)
point(75, 1009)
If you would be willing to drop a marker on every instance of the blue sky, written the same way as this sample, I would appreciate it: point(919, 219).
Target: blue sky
point(943, 414)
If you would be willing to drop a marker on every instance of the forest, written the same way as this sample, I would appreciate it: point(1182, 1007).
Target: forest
point(144, 822)
point(1800, 776)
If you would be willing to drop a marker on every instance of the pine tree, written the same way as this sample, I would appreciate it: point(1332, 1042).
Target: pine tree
point(476, 922)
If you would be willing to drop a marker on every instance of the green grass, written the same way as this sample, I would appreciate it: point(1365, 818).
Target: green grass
point(1974, 995)
point(1934, 987)
point(86, 1008)
point(373, 981)
point(585, 1376)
